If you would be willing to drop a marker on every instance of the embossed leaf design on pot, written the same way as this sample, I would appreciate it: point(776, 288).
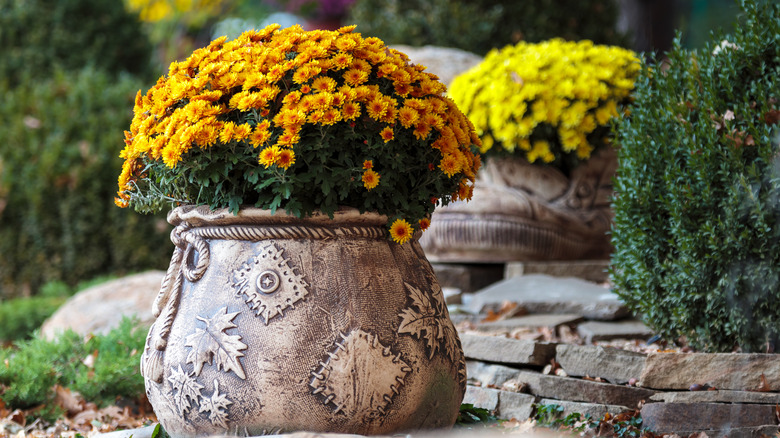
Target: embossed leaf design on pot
point(428, 322)
point(213, 343)
point(184, 390)
point(216, 406)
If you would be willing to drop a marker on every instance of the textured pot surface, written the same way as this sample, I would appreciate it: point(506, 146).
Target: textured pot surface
point(271, 323)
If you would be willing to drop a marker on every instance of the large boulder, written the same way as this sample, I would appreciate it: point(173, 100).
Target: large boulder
point(100, 308)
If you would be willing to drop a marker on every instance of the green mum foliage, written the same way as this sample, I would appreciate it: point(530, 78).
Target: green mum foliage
point(697, 204)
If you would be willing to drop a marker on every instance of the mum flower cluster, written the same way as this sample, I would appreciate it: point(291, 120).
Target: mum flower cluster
point(302, 121)
point(552, 102)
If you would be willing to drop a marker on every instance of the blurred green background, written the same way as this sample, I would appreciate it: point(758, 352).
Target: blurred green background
point(70, 69)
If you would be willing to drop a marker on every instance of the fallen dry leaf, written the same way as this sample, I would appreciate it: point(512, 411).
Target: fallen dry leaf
point(70, 402)
point(763, 385)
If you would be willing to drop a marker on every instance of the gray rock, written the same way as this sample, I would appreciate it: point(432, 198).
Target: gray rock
point(555, 387)
point(604, 331)
point(595, 410)
point(534, 320)
point(505, 350)
point(719, 396)
point(742, 372)
point(507, 405)
point(615, 365)
point(588, 270)
point(444, 62)
point(693, 417)
point(100, 308)
point(546, 294)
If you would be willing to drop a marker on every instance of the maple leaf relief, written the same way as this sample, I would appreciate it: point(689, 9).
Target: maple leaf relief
point(213, 343)
point(426, 319)
point(216, 406)
point(184, 390)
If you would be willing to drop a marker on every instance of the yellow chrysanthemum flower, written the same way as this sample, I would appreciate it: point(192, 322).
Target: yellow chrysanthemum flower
point(269, 155)
point(387, 134)
point(401, 231)
point(518, 93)
point(286, 158)
point(370, 179)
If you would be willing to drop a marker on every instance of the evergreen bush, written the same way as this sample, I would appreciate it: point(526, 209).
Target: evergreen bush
point(480, 25)
point(37, 35)
point(58, 167)
point(697, 203)
point(30, 370)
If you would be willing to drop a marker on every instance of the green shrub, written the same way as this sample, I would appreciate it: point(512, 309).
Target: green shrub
point(59, 158)
point(37, 35)
point(697, 204)
point(20, 317)
point(29, 372)
point(481, 25)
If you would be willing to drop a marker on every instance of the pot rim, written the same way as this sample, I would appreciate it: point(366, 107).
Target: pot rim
point(202, 215)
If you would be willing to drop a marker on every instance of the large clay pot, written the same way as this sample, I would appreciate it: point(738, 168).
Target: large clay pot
point(272, 323)
point(528, 212)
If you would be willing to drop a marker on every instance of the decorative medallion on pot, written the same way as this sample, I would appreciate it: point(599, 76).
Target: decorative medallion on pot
point(543, 112)
point(327, 316)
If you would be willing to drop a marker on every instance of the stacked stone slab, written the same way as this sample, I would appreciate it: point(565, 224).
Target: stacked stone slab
point(739, 396)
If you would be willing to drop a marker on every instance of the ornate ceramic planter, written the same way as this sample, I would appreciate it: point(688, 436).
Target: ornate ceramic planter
point(269, 322)
point(526, 212)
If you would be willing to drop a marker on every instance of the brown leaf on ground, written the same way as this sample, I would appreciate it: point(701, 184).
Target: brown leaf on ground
point(18, 417)
point(67, 400)
point(508, 309)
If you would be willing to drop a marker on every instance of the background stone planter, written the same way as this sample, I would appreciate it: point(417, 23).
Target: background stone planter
point(525, 212)
point(269, 322)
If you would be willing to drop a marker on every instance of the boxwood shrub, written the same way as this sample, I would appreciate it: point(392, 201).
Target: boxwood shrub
point(697, 203)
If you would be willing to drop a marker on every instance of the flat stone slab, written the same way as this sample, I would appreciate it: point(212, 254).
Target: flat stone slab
point(615, 365)
point(605, 331)
point(555, 387)
point(719, 396)
point(692, 417)
point(595, 410)
point(740, 372)
point(534, 320)
point(546, 294)
point(507, 405)
point(505, 350)
point(588, 270)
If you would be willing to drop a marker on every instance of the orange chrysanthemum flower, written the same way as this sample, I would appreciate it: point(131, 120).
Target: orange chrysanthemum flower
point(368, 164)
point(269, 155)
point(424, 223)
point(376, 109)
point(449, 165)
point(350, 111)
point(286, 158)
point(401, 231)
point(387, 134)
point(370, 179)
